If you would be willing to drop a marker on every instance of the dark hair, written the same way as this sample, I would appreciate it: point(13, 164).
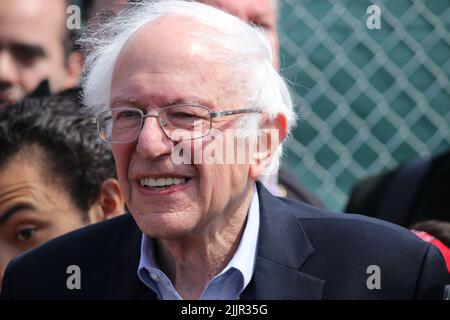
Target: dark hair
point(437, 228)
point(66, 133)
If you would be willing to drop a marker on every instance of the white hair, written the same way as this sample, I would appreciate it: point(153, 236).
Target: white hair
point(252, 56)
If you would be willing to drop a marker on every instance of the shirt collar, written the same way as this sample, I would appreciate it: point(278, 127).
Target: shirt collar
point(245, 255)
point(243, 261)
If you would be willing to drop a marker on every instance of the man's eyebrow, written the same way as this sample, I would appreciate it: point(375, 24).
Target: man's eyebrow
point(121, 102)
point(162, 102)
point(13, 210)
point(191, 100)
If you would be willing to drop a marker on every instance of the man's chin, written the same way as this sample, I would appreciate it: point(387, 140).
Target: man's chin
point(164, 232)
point(162, 226)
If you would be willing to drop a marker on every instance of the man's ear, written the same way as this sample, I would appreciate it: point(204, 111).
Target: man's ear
point(110, 204)
point(273, 133)
point(73, 70)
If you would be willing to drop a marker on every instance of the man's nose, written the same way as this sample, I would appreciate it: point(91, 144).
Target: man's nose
point(8, 69)
point(152, 142)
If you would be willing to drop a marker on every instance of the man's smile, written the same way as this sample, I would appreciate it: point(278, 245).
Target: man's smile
point(162, 184)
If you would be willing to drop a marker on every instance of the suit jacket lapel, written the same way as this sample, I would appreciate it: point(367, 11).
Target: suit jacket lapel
point(283, 247)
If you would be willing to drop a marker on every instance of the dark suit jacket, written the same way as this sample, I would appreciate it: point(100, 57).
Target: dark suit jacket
point(303, 253)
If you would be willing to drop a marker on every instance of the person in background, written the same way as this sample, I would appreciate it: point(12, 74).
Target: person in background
point(55, 175)
point(36, 50)
point(415, 191)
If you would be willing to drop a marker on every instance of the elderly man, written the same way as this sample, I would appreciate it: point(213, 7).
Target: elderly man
point(35, 46)
point(261, 13)
point(173, 76)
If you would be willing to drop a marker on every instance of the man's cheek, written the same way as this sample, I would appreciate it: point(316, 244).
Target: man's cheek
point(33, 75)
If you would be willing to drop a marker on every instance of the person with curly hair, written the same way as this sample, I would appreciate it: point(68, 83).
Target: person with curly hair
point(55, 174)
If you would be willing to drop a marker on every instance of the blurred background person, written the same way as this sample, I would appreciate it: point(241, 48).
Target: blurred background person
point(35, 49)
point(261, 13)
point(411, 193)
point(55, 174)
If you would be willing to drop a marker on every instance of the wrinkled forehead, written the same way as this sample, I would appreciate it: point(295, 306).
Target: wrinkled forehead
point(176, 53)
point(170, 40)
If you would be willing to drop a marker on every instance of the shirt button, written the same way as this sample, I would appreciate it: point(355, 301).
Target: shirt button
point(154, 276)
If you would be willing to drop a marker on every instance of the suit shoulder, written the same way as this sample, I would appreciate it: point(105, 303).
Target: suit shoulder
point(355, 226)
point(346, 245)
point(41, 273)
point(92, 236)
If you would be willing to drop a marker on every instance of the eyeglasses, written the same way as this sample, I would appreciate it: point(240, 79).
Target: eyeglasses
point(178, 122)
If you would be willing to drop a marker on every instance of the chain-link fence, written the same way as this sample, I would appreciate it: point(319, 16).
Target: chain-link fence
point(367, 99)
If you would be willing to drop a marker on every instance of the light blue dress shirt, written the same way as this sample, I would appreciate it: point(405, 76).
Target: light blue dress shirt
point(227, 285)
